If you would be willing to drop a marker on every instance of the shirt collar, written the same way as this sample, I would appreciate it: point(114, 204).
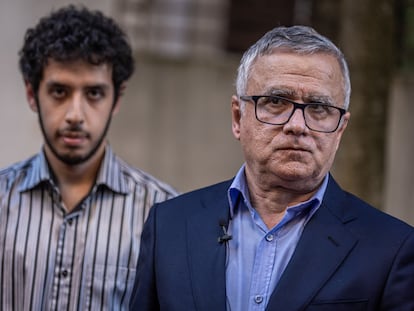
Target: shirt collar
point(238, 190)
point(38, 172)
point(110, 173)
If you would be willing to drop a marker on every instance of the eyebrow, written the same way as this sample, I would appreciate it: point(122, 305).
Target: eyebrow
point(97, 85)
point(282, 92)
point(53, 83)
point(308, 98)
point(317, 98)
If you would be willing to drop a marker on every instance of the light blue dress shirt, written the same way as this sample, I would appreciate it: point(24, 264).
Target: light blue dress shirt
point(257, 256)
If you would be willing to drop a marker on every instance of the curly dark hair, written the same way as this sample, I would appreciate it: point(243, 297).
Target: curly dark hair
point(76, 33)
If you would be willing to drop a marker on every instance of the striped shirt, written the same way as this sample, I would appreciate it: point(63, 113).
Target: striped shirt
point(83, 260)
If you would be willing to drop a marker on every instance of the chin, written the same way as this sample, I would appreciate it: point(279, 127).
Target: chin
point(293, 171)
point(74, 157)
point(72, 160)
point(296, 176)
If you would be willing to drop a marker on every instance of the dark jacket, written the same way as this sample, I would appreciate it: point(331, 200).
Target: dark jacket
point(350, 256)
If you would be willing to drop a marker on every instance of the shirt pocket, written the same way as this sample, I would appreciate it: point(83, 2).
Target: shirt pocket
point(108, 288)
point(339, 305)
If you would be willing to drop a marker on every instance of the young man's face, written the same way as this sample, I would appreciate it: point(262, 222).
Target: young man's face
point(75, 104)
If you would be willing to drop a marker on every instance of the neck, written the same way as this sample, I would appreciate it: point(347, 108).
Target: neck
point(75, 181)
point(73, 174)
point(271, 200)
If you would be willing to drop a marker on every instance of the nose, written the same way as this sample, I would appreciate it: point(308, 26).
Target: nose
point(75, 110)
point(296, 123)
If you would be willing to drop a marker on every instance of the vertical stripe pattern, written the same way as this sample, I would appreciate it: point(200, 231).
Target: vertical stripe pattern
point(82, 260)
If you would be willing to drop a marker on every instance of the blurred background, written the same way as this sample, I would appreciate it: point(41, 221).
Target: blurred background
point(175, 117)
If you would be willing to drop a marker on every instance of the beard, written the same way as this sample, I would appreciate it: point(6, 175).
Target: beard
point(68, 159)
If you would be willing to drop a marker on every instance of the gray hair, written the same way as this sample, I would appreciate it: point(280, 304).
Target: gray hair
point(296, 39)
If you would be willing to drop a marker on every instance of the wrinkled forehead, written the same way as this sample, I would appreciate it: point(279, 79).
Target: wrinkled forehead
point(297, 74)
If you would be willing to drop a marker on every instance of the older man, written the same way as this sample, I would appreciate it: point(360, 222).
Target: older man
point(281, 235)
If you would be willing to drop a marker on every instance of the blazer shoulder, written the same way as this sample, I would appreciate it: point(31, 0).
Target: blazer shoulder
point(357, 213)
point(206, 194)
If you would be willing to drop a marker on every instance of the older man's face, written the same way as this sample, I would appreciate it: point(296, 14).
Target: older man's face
point(291, 155)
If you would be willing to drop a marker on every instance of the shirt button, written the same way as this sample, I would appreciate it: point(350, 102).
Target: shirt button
point(269, 237)
point(70, 221)
point(258, 299)
point(64, 273)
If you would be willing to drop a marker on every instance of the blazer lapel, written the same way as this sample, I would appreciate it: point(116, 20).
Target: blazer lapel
point(207, 257)
point(324, 245)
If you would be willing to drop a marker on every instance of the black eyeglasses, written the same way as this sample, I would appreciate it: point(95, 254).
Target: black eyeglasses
point(278, 110)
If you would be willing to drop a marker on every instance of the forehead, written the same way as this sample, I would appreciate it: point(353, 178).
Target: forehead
point(76, 72)
point(300, 74)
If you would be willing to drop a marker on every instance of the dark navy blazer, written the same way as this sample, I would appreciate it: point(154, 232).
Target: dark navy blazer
point(350, 256)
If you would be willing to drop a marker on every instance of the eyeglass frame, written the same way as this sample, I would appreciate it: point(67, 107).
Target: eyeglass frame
point(301, 106)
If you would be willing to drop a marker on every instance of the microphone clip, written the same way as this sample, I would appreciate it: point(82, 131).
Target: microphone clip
point(225, 237)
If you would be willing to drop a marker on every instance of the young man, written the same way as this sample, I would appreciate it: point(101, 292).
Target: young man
point(71, 216)
point(281, 235)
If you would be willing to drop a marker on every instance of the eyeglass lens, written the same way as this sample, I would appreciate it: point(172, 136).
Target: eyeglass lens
point(278, 111)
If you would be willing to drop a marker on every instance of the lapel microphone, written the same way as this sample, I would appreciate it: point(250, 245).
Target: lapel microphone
point(225, 237)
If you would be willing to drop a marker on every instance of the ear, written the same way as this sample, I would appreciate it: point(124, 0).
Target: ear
point(115, 108)
point(31, 96)
point(117, 104)
point(236, 114)
point(342, 127)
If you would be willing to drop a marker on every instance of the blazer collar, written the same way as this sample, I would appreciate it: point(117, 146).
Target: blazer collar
point(207, 256)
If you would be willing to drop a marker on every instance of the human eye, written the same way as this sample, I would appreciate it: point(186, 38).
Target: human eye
point(95, 93)
point(320, 110)
point(270, 100)
point(58, 92)
point(274, 104)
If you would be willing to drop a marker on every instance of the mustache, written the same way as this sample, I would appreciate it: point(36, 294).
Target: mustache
point(75, 130)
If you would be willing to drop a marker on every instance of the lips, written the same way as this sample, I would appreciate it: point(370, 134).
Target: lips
point(73, 138)
point(294, 148)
